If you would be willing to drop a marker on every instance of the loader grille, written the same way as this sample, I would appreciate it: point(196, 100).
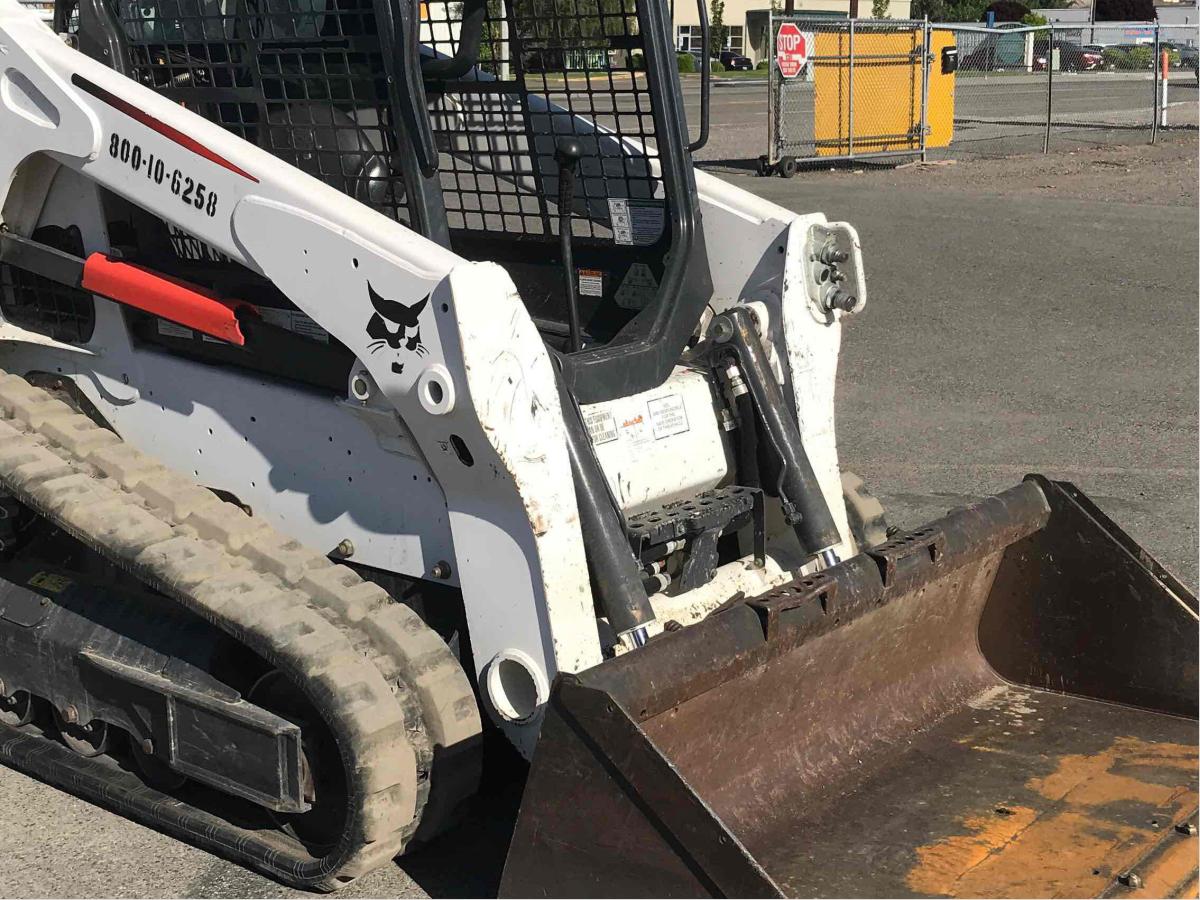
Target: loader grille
point(43, 306)
point(548, 68)
point(307, 81)
point(303, 79)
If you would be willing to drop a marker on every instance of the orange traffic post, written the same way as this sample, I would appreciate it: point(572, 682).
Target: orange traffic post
point(1165, 62)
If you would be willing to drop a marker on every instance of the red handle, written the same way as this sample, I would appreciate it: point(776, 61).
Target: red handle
point(169, 298)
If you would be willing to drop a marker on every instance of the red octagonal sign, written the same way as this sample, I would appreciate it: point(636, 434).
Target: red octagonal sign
point(792, 47)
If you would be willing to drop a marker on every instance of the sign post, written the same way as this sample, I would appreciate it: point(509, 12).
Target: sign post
point(792, 48)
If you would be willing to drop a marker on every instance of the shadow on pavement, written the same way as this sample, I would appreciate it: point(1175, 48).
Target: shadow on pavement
point(735, 166)
point(468, 860)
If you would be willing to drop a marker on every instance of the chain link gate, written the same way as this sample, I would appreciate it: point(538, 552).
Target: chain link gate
point(842, 89)
point(861, 90)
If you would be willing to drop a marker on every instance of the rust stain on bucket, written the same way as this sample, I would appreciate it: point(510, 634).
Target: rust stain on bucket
point(1078, 831)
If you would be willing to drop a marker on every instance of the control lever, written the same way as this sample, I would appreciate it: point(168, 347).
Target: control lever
point(567, 152)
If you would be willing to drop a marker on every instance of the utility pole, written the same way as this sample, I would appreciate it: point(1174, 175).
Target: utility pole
point(854, 9)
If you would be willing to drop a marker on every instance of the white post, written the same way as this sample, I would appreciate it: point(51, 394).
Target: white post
point(1165, 62)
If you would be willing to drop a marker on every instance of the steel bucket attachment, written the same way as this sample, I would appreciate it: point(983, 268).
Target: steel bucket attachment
point(1002, 703)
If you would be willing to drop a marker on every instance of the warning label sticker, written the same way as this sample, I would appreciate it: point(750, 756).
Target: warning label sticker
point(170, 329)
point(636, 222)
point(591, 283)
point(600, 425)
point(638, 288)
point(667, 416)
point(634, 430)
point(294, 321)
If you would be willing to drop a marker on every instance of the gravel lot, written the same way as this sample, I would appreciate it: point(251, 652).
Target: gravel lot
point(1025, 314)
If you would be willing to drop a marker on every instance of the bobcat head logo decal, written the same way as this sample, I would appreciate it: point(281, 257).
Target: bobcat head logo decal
point(405, 337)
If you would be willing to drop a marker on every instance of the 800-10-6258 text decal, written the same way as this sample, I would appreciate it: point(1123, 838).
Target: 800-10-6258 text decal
point(188, 189)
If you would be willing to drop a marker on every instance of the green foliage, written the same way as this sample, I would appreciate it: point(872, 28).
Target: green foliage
point(1115, 58)
point(715, 65)
point(1140, 58)
point(1125, 11)
point(948, 10)
point(686, 63)
point(717, 28)
point(971, 10)
point(1033, 18)
point(1006, 11)
point(762, 65)
point(879, 8)
point(637, 62)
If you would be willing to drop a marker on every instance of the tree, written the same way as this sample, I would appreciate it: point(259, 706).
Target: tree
point(1125, 11)
point(879, 8)
point(716, 24)
point(949, 10)
point(1008, 11)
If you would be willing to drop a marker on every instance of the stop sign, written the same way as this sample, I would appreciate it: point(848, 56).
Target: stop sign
point(792, 47)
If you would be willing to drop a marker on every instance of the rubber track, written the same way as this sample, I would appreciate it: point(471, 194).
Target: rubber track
point(376, 672)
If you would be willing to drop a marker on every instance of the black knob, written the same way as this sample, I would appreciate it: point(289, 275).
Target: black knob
point(567, 151)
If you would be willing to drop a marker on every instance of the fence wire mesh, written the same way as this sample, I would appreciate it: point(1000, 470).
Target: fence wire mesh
point(1001, 97)
point(872, 87)
point(859, 90)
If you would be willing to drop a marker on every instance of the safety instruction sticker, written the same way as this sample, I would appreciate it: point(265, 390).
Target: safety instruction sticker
point(635, 430)
point(591, 283)
point(667, 416)
point(638, 287)
point(170, 329)
point(600, 425)
point(635, 222)
point(294, 321)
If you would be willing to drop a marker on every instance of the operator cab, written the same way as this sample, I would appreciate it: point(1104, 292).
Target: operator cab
point(548, 140)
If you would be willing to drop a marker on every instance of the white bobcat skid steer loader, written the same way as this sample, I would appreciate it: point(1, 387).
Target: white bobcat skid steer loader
point(379, 374)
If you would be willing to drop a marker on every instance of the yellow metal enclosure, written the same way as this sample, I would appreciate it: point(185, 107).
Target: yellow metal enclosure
point(867, 92)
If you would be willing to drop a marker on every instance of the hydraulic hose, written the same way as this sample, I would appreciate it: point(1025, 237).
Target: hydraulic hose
point(735, 333)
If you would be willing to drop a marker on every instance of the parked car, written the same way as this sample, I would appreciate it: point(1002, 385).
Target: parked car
point(1189, 57)
point(996, 53)
point(1071, 57)
point(735, 61)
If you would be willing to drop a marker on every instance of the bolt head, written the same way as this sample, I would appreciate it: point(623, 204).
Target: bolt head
point(69, 714)
point(1131, 880)
point(148, 746)
point(721, 330)
point(441, 569)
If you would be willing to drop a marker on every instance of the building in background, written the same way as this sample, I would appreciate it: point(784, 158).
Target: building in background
point(1171, 15)
point(746, 21)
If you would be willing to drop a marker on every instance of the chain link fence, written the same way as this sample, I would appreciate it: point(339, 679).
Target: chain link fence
point(857, 89)
point(1003, 99)
point(870, 88)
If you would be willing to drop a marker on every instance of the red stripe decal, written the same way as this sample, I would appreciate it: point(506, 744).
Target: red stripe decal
point(169, 298)
point(162, 128)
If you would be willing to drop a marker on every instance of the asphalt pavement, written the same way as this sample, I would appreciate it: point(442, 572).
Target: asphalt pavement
point(1027, 314)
